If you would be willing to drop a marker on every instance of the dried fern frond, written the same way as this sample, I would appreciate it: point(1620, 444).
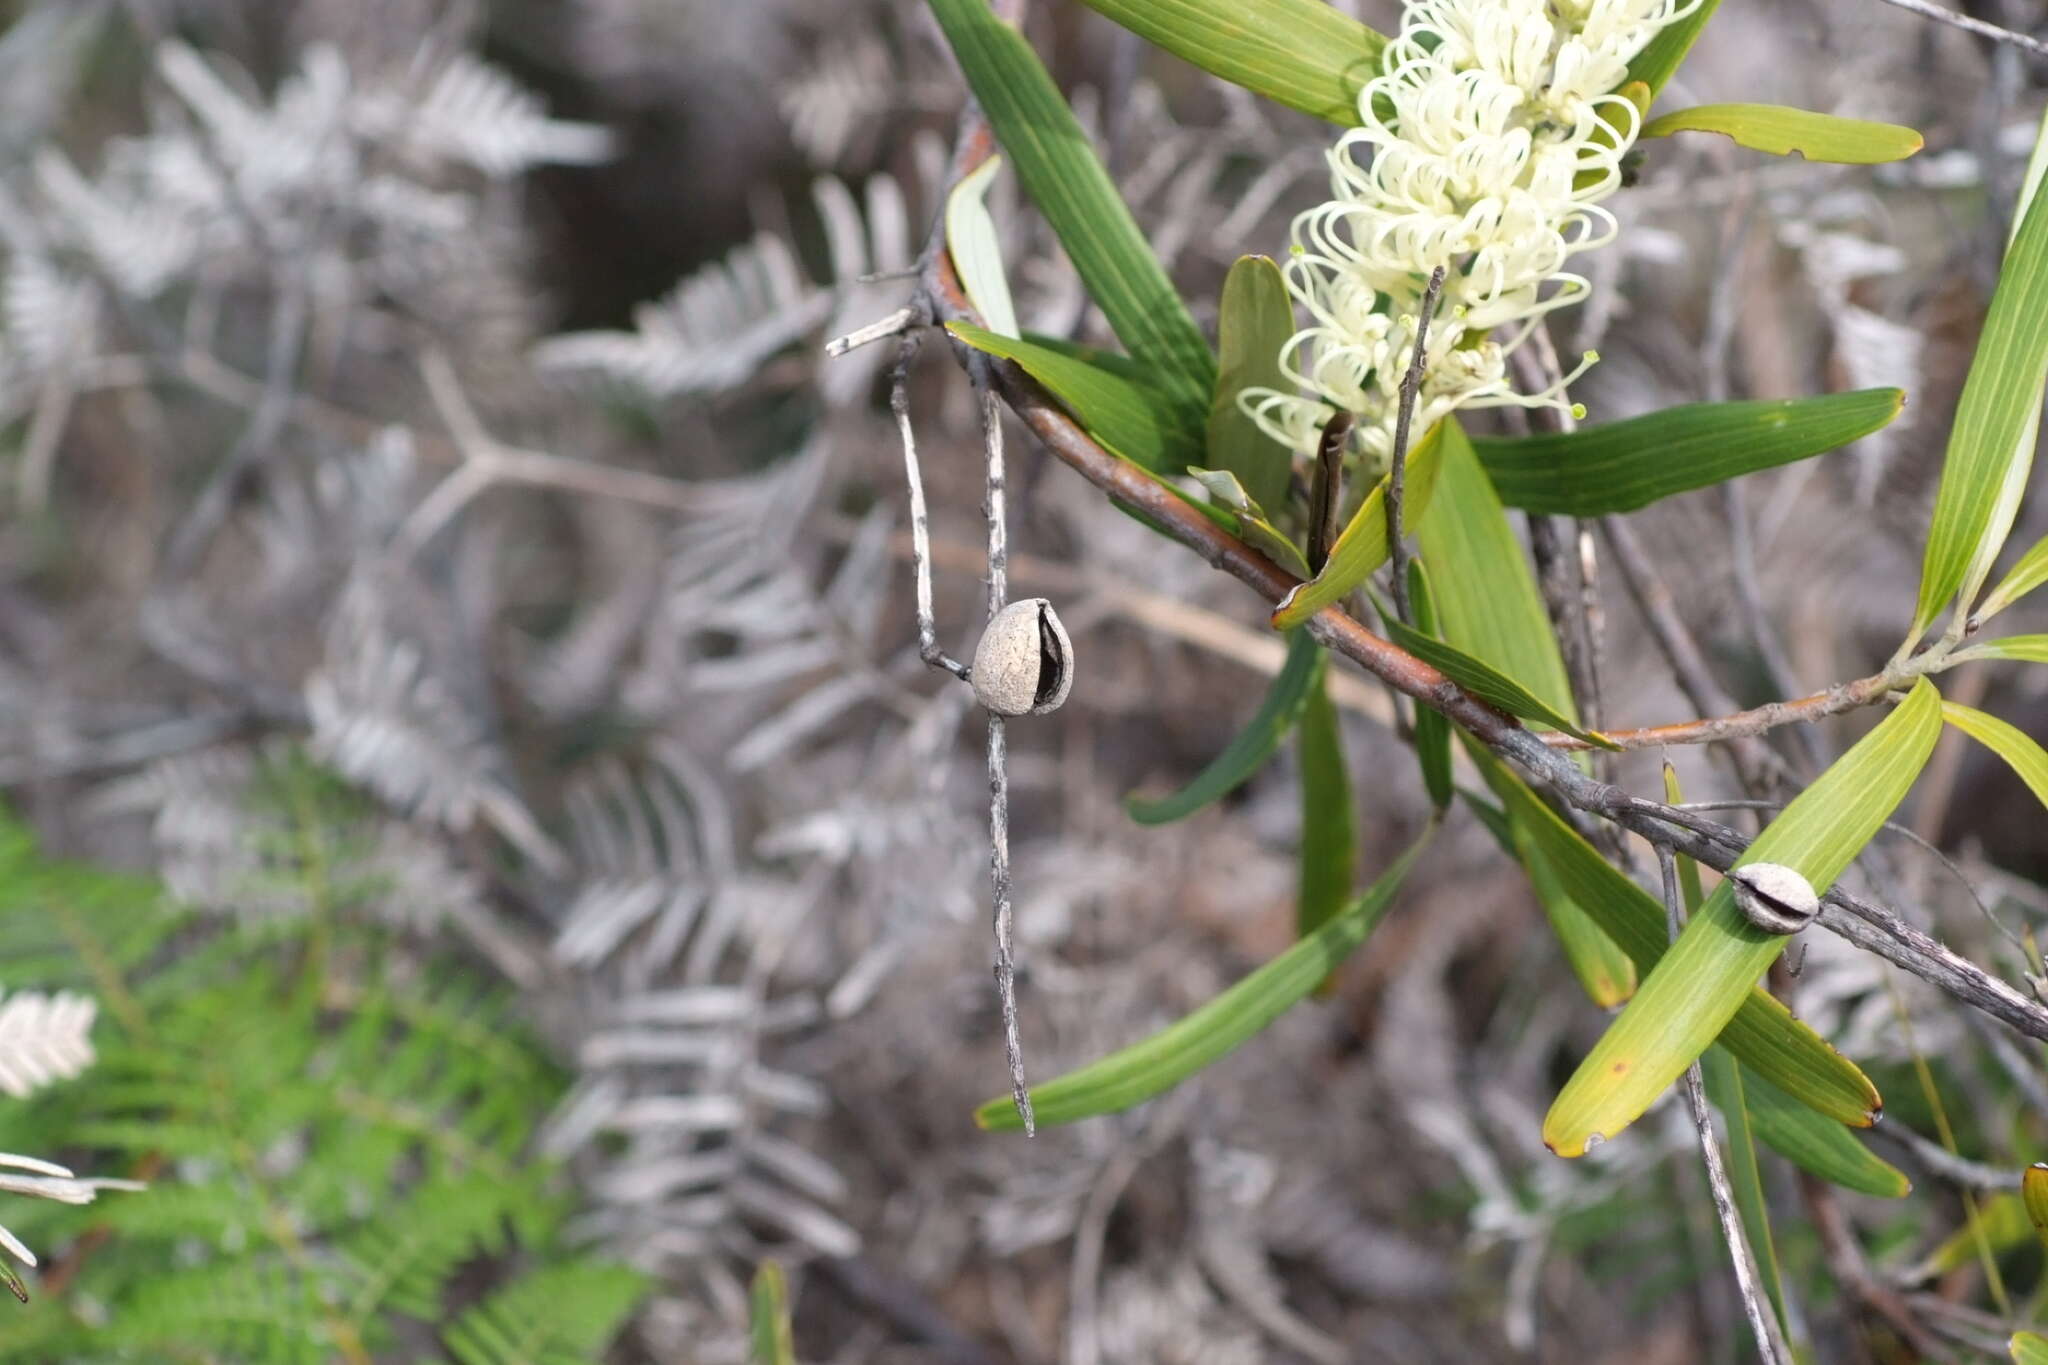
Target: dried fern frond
point(43, 1039)
point(709, 333)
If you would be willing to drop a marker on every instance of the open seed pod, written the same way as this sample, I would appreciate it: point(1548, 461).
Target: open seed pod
point(1774, 898)
point(1024, 665)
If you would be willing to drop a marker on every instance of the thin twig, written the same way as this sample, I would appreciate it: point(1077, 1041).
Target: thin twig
point(1763, 1323)
point(920, 525)
point(903, 322)
point(998, 767)
point(1411, 391)
point(1756, 764)
point(1927, 10)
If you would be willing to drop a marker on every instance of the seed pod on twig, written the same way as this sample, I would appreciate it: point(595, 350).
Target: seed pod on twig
point(1024, 665)
point(1774, 898)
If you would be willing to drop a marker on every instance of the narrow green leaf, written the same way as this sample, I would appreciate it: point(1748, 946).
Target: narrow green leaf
point(2029, 1348)
point(1485, 682)
point(1252, 327)
point(1991, 443)
point(1067, 181)
point(1252, 525)
point(1605, 972)
point(1168, 1057)
point(1305, 54)
point(1285, 700)
point(1432, 731)
point(1329, 848)
point(1362, 547)
point(1781, 131)
point(1129, 417)
point(1485, 593)
point(2019, 749)
point(770, 1317)
point(1621, 466)
point(2034, 1197)
point(977, 250)
point(1763, 1035)
point(1725, 1090)
point(1661, 56)
point(1699, 985)
point(2030, 573)
point(2031, 649)
point(1817, 1143)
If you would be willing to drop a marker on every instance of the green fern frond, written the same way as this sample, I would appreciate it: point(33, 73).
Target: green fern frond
point(558, 1315)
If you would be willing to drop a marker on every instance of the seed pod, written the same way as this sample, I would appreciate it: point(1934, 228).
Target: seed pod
point(1024, 665)
point(1774, 898)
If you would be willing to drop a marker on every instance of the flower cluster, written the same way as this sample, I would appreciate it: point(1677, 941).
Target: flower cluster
point(1494, 132)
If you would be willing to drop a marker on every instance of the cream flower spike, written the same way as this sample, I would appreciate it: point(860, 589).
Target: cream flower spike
point(1484, 146)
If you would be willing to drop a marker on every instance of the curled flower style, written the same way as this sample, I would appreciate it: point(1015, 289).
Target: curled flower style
point(1484, 146)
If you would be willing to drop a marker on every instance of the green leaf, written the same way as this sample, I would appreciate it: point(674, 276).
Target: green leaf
point(2029, 1348)
point(2019, 749)
point(1485, 682)
point(1249, 519)
point(1129, 417)
point(977, 249)
point(1781, 131)
point(1303, 53)
point(2034, 1197)
point(1329, 850)
point(1253, 325)
point(1432, 730)
point(770, 1317)
point(1817, 1143)
point(1991, 443)
point(2031, 649)
point(1763, 1035)
point(2030, 573)
point(1621, 466)
point(1699, 985)
point(1362, 547)
point(1485, 593)
point(1660, 57)
point(1285, 700)
point(1065, 179)
point(1168, 1057)
point(1723, 1080)
point(1605, 972)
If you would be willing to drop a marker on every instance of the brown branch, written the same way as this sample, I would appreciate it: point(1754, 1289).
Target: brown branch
point(1869, 926)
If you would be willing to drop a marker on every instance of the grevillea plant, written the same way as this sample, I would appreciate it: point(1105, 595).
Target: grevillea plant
point(1315, 450)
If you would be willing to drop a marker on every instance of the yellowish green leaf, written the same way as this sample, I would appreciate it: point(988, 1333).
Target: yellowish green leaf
point(2019, 749)
point(1362, 547)
point(2034, 1196)
point(1699, 985)
point(2029, 1348)
point(1782, 131)
point(1486, 682)
point(1991, 443)
point(769, 1314)
point(2028, 574)
point(1763, 1035)
point(977, 249)
point(1305, 54)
